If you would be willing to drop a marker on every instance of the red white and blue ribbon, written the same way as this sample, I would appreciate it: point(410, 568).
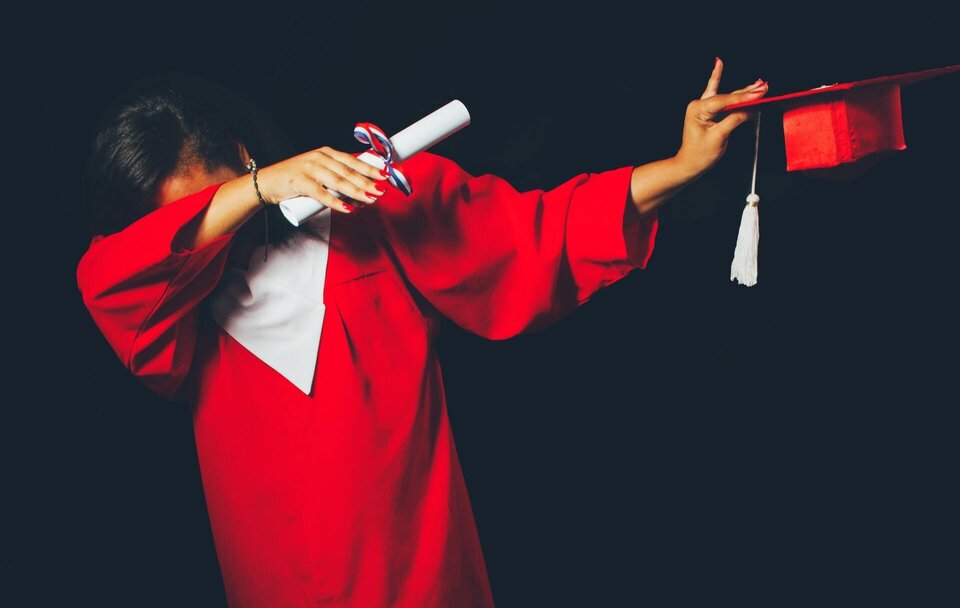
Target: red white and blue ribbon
point(372, 135)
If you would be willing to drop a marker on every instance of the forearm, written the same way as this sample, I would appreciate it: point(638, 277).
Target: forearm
point(655, 183)
point(232, 205)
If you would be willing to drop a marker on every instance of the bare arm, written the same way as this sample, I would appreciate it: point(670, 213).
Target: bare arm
point(308, 174)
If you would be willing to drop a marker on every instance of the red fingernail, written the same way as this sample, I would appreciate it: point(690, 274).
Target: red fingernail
point(372, 197)
point(716, 60)
point(381, 188)
point(348, 208)
point(383, 172)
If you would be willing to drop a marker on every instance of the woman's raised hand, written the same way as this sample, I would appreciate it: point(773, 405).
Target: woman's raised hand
point(704, 138)
point(311, 173)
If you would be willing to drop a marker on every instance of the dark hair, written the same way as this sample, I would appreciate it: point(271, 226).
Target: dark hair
point(160, 124)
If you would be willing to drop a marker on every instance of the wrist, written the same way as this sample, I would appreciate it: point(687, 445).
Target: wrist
point(255, 173)
point(241, 194)
point(685, 169)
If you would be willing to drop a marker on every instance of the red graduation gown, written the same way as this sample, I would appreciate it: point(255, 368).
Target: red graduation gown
point(353, 495)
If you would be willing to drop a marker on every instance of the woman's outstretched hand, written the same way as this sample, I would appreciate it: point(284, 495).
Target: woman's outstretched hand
point(704, 137)
point(311, 173)
point(704, 141)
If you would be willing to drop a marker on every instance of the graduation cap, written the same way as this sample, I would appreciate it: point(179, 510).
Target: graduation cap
point(836, 130)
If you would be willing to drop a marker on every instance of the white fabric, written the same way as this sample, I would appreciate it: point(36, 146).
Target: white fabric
point(275, 308)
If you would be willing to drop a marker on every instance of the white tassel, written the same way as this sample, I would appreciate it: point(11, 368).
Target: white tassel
point(744, 266)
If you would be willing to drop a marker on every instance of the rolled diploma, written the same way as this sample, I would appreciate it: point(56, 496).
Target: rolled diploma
point(429, 130)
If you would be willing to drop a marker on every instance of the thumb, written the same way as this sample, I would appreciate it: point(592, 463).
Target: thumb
point(731, 122)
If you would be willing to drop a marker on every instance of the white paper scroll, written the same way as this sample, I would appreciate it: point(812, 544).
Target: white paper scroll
point(429, 130)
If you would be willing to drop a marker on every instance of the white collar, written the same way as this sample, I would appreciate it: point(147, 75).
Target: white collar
point(275, 308)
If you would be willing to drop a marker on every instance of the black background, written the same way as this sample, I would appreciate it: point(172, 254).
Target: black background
point(678, 439)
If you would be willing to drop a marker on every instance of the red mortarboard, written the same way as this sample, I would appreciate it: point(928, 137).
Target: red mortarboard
point(843, 123)
point(837, 130)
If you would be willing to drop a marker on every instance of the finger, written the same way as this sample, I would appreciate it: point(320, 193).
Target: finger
point(343, 164)
point(756, 85)
point(318, 192)
point(714, 105)
point(353, 185)
point(355, 164)
point(714, 82)
point(373, 187)
point(731, 122)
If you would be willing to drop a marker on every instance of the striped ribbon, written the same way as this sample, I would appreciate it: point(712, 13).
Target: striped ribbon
point(372, 135)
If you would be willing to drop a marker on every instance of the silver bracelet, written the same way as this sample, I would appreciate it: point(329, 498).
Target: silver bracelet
point(252, 168)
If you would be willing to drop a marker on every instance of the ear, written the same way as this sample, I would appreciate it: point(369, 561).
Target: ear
point(243, 154)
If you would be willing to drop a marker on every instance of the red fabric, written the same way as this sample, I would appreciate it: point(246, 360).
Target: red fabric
point(843, 129)
point(354, 496)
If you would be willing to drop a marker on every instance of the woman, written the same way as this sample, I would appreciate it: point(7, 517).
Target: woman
point(341, 487)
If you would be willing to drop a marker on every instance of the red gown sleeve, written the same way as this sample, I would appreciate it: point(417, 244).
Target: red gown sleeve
point(143, 293)
point(499, 262)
